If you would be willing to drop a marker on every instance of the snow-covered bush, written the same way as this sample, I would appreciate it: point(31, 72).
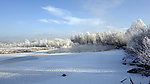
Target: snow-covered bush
point(138, 45)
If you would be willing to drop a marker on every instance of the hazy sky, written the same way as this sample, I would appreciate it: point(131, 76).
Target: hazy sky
point(61, 18)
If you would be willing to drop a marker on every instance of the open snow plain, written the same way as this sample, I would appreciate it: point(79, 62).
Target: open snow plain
point(80, 68)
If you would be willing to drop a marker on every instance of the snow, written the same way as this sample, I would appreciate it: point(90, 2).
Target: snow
point(80, 68)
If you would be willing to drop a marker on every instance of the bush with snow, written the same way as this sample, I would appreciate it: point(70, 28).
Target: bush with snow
point(139, 45)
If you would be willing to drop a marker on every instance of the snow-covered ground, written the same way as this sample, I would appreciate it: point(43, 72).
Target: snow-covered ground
point(80, 68)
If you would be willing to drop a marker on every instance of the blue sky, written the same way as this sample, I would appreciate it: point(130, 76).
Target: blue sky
point(21, 19)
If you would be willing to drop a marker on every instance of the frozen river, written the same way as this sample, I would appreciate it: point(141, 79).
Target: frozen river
point(80, 68)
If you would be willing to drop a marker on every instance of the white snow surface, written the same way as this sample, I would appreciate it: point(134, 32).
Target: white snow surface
point(80, 68)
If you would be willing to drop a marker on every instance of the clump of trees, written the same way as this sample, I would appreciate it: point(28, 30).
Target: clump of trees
point(56, 43)
point(102, 38)
point(35, 45)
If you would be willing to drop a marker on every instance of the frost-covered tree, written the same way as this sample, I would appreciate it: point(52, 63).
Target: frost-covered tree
point(73, 38)
point(98, 38)
point(93, 38)
point(81, 38)
point(87, 38)
point(27, 43)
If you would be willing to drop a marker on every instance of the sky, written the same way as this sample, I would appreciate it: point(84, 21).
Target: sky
point(40, 19)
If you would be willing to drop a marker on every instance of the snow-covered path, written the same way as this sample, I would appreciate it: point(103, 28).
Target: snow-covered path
point(81, 68)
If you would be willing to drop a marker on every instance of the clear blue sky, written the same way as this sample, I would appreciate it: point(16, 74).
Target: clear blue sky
point(61, 18)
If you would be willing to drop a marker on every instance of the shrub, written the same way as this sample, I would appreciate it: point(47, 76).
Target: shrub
point(139, 45)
